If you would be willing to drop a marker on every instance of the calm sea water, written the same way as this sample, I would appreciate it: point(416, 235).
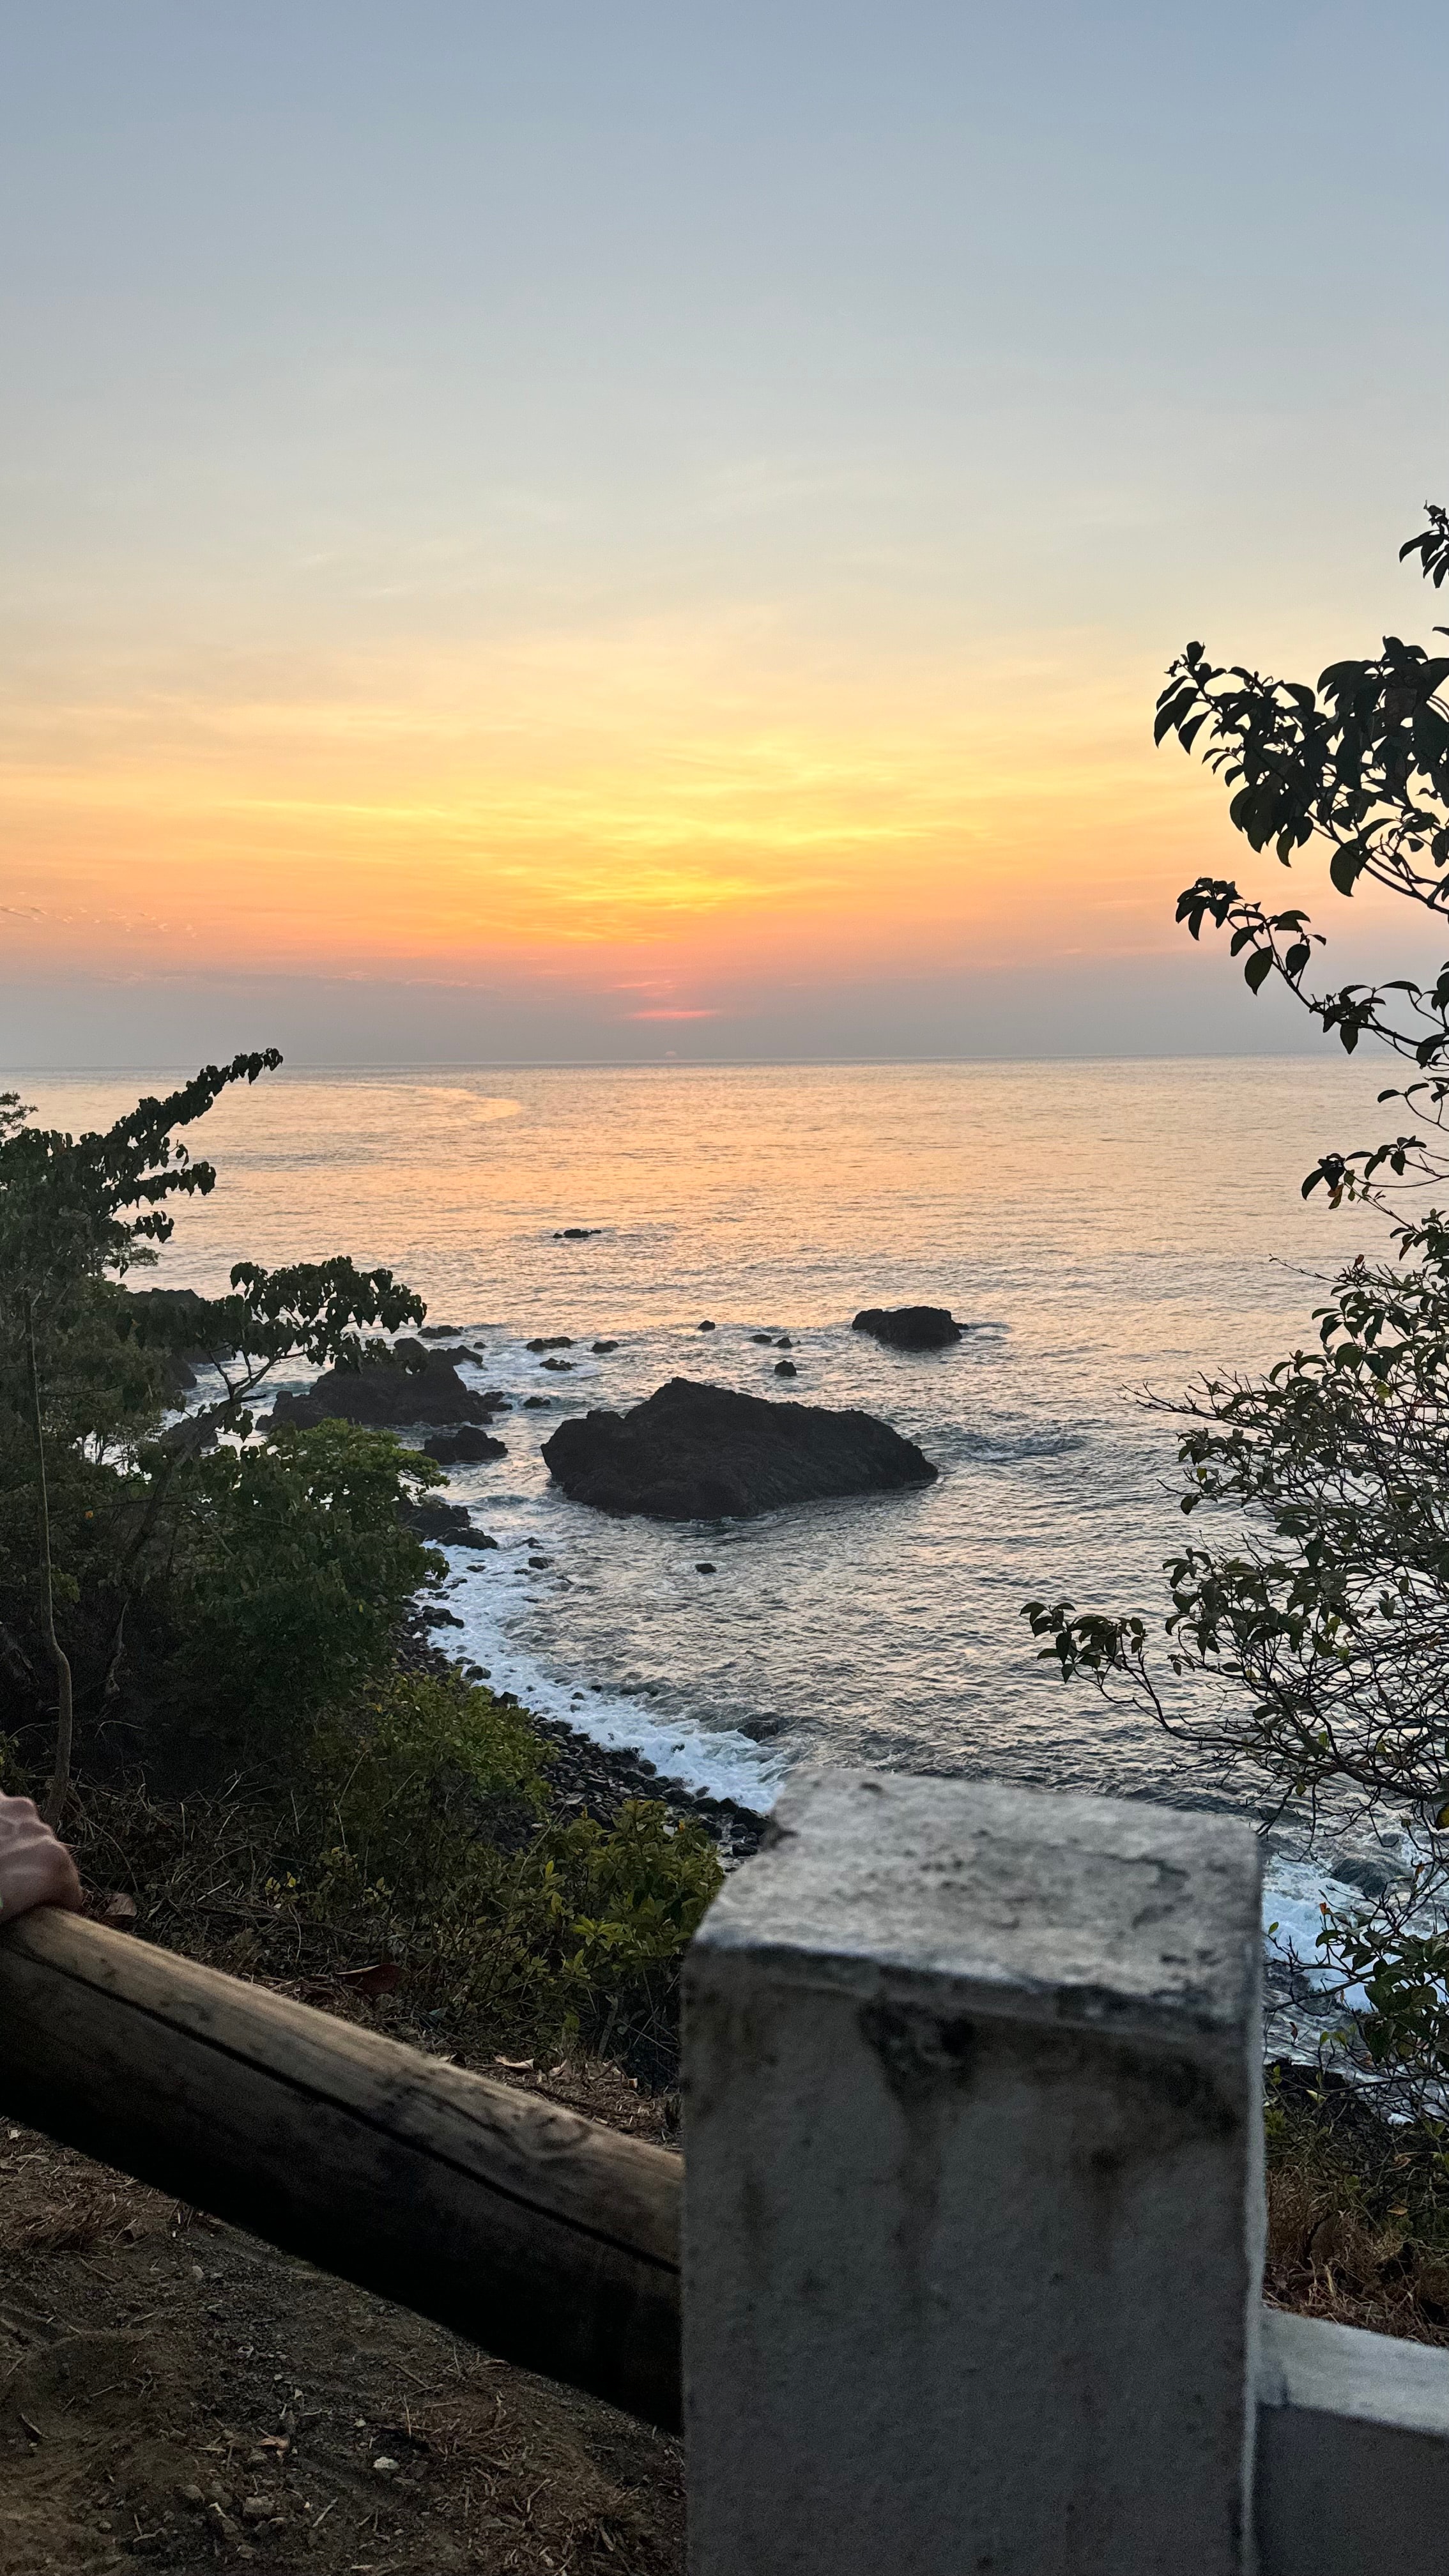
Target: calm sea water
point(1098, 1226)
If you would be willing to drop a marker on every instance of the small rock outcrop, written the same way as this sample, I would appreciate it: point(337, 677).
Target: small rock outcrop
point(465, 1448)
point(576, 1233)
point(404, 1384)
point(445, 1524)
point(550, 1342)
point(909, 1328)
point(695, 1452)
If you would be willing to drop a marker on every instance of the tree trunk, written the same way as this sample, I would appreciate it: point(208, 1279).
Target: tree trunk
point(64, 1726)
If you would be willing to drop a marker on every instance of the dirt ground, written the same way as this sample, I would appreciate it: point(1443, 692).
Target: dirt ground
point(175, 2391)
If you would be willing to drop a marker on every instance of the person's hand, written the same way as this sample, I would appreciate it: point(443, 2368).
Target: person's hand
point(35, 1869)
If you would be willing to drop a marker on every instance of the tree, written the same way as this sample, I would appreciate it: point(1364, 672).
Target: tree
point(1308, 1643)
point(85, 1370)
point(1358, 765)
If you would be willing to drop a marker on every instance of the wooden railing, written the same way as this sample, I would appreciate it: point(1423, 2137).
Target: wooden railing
point(548, 2239)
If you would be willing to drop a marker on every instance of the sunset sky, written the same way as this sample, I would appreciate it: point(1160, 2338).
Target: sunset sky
point(561, 531)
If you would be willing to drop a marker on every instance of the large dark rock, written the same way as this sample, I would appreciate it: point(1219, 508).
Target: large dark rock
point(909, 1328)
point(700, 1452)
point(172, 1323)
point(385, 1393)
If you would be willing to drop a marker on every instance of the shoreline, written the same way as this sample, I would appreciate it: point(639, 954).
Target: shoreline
point(593, 1779)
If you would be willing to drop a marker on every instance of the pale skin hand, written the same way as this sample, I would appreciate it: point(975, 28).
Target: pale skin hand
point(35, 1869)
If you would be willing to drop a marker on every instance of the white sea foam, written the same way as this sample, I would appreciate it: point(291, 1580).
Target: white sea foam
point(723, 1762)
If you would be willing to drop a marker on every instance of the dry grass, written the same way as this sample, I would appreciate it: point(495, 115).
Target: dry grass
point(1328, 2258)
point(1358, 2214)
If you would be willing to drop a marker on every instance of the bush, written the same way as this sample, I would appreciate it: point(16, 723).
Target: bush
point(423, 1825)
point(430, 1758)
point(291, 1575)
point(408, 1840)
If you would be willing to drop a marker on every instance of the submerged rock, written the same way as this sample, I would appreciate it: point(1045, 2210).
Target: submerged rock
point(576, 1233)
point(696, 1452)
point(601, 1347)
point(909, 1328)
point(400, 1385)
point(550, 1342)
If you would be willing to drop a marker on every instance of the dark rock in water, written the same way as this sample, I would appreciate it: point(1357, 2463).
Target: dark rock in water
point(540, 1564)
point(440, 1332)
point(909, 1328)
point(703, 1453)
point(465, 1448)
point(480, 1538)
point(436, 1618)
point(170, 1322)
point(565, 1365)
point(537, 1403)
point(705, 1569)
point(786, 1368)
point(784, 1343)
point(445, 1524)
point(601, 1347)
point(576, 1233)
point(704, 1328)
point(762, 1337)
point(551, 1342)
point(387, 1391)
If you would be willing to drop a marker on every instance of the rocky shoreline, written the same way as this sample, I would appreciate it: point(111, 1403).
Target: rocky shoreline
point(591, 1779)
point(595, 1780)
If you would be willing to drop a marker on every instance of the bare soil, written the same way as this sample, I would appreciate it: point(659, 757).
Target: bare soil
point(173, 2390)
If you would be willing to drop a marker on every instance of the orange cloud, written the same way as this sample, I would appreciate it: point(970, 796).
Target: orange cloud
point(689, 799)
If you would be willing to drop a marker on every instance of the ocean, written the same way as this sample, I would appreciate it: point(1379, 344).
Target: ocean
point(1099, 1227)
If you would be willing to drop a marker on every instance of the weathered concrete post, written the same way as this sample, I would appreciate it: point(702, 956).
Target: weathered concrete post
point(973, 2190)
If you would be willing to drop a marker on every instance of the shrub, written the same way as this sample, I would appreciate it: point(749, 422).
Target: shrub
point(292, 1572)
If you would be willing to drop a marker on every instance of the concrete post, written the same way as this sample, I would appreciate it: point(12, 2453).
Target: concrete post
point(973, 2190)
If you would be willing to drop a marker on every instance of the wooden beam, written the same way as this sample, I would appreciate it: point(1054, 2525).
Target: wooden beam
point(548, 2240)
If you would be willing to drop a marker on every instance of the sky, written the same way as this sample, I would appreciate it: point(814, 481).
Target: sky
point(571, 533)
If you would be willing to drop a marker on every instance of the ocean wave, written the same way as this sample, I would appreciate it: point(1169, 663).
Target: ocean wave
point(1051, 1440)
